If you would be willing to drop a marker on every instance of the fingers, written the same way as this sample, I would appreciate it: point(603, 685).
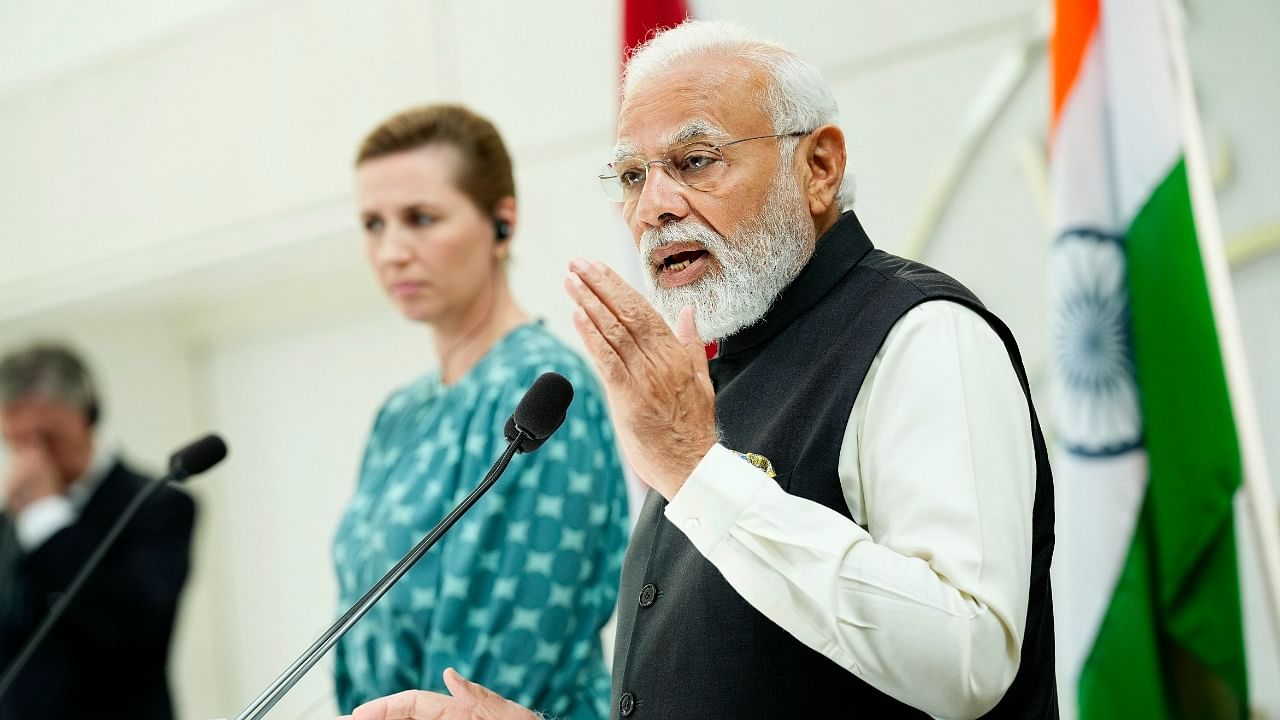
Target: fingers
point(607, 362)
point(619, 338)
point(621, 316)
point(695, 348)
point(27, 456)
point(31, 476)
point(462, 688)
point(629, 306)
point(34, 453)
point(472, 699)
point(484, 702)
point(407, 705)
point(687, 328)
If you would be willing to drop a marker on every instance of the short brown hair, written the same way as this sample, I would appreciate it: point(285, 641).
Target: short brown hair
point(485, 173)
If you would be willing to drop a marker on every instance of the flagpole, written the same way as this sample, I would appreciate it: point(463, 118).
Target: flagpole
point(1258, 495)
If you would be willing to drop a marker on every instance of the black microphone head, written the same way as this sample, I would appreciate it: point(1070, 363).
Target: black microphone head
point(540, 412)
point(197, 457)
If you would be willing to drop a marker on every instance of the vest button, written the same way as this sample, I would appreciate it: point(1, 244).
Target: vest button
point(627, 704)
point(648, 594)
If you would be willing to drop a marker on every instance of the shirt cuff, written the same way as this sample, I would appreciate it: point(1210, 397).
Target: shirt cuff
point(41, 519)
point(710, 502)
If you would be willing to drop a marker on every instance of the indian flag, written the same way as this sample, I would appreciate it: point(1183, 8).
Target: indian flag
point(1148, 461)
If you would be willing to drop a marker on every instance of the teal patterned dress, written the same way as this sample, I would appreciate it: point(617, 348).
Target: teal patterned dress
point(514, 596)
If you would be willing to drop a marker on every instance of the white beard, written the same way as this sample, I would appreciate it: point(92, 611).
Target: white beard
point(754, 267)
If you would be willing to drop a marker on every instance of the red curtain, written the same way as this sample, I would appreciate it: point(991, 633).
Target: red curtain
point(641, 17)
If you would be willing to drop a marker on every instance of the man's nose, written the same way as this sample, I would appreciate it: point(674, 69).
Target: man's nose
point(662, 199)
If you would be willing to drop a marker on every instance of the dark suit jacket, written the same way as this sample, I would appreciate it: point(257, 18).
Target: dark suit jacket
point(106, 657)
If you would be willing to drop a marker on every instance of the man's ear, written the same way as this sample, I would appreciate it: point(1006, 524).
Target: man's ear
point(824, 156)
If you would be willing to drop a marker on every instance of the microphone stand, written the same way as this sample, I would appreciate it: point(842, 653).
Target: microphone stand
point(262, 704)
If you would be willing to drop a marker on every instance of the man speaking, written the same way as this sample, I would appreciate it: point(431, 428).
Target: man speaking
point(851, 506)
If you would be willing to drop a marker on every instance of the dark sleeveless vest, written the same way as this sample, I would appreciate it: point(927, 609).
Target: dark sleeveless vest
point(688, 646)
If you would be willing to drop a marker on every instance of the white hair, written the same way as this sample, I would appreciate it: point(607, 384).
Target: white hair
point(797, 98)
point(754, 266)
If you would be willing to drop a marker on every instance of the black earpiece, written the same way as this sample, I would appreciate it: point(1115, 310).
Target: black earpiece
point(501, 229)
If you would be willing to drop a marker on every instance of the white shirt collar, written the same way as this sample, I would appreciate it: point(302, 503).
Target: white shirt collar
point(100, 464)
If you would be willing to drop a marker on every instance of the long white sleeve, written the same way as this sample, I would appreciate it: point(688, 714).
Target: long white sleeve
point(924, 596)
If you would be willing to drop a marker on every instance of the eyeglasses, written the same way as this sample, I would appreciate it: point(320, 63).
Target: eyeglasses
point(698, 165)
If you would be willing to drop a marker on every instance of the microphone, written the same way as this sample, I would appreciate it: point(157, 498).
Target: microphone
point(196, 457)
point(538, 414)
point(191, 459)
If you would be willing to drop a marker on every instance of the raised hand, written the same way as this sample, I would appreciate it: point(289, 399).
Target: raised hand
point(30, 477)
point(656, 381)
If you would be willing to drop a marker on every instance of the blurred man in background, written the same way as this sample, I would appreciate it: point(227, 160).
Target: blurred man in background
point(63, 489)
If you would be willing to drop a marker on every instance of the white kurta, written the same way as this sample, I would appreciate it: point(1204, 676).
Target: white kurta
point(924, 594)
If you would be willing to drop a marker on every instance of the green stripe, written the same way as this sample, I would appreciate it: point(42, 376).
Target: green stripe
point(1139, 668)
point(1123, 677)
point(1176, 609)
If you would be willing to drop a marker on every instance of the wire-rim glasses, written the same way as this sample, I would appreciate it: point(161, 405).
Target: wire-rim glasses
point(696, 165)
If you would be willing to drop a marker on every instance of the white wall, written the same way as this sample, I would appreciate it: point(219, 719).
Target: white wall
point(295, 439)
point(176, 182)
point(145, 378)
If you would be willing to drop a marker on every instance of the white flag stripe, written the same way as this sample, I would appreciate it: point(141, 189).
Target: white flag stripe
point(1075, 152)
point(1104, 497)
point(1144, 133)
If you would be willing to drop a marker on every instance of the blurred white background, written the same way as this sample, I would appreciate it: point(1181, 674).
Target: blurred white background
point(175, 200)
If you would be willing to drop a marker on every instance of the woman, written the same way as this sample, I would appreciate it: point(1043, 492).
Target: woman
point(516, 594)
